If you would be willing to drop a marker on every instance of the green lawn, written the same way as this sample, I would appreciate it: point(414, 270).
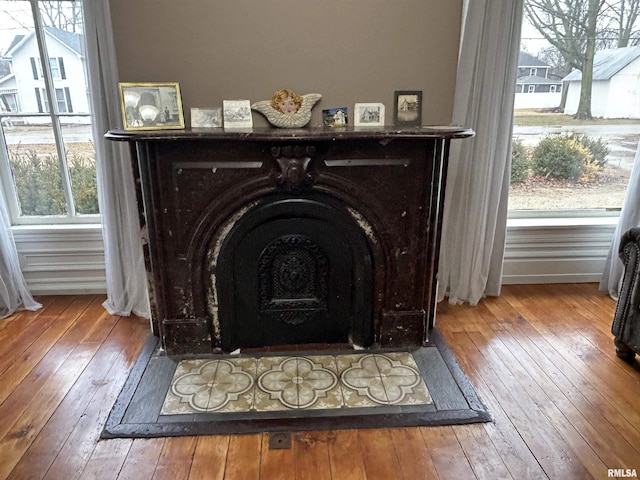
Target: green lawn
point(530, 118)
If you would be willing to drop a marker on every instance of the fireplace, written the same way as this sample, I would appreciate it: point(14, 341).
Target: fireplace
point(278, 237)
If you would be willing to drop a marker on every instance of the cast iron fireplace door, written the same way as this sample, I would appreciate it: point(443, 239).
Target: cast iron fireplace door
point(295, 271)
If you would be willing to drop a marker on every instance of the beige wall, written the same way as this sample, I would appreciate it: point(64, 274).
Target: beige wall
point(347, 50)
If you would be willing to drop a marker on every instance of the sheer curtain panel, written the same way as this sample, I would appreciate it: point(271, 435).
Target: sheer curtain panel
point(475, 211)
point(629, 218)
point(125, 271)
point(14, 294)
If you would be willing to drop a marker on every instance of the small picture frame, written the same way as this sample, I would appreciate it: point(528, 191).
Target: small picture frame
point(237, 114)
point(407, 111)
point(335, 117)
point(206, 117)
point(368, 115)
point(151, 106)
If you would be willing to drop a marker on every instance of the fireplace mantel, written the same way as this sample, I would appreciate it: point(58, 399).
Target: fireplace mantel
point(201, 190)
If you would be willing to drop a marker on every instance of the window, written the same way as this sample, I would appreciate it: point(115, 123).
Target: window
point(47, 159)
point(54, 63)
point(531, 89)
point(563, 165)
point(63, 100)
point(533, 72)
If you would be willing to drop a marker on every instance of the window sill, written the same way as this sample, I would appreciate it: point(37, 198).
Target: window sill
point(561, 222)
point(25, 230)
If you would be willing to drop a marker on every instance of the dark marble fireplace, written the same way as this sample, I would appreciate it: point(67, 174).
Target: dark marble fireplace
point(278, 237)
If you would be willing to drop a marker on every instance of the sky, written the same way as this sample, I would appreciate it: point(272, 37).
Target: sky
point(532, 39)
point(9, 27)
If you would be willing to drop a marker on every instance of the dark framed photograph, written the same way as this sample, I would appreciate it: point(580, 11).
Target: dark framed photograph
point(407, 111)
point(151, 106)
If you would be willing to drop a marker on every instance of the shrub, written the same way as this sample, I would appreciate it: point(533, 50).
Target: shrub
point(39, 185)
point(520, 162)
point(560, 156)
point(596, 146)
point(84, 184)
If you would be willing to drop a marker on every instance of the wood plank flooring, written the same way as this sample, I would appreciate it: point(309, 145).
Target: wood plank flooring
point(540, 357)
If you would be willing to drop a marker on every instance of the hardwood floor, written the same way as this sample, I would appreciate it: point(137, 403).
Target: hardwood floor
point(540, 357)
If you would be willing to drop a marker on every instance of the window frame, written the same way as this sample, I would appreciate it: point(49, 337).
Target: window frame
point(574, 219)
point(7, 187)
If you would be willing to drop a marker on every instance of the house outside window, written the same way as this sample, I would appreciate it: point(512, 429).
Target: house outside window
point(47, 158)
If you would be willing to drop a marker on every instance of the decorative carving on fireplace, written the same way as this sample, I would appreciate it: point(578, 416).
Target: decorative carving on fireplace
point(291, 236)
point(293, 162)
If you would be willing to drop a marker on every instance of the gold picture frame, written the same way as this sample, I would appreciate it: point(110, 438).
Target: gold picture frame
point(151, 106)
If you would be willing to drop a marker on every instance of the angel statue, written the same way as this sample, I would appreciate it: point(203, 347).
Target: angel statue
point(287, 109)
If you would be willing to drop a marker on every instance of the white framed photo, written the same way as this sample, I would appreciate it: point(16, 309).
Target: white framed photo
point(206, 117)
point(237, 114)
point(368, 115)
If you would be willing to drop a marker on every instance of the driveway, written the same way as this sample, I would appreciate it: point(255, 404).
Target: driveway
point(40, 135)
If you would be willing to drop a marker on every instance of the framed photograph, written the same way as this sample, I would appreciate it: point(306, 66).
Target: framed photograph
point(368, 115)
point(407, 110)
point(237, 114)
point(206, 117)
point(151, 106)
point(335, 117)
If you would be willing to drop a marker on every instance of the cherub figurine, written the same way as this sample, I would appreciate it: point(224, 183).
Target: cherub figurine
point(286, 101)
point(287, 109)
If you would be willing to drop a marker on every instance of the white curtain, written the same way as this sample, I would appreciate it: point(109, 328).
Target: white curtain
point(475, 210)
point(629, 218)
point(14, 294)
point(126, 277)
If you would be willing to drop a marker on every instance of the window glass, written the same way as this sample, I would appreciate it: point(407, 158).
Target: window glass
point(568, 158)
point(35, 168)
point(47, 158)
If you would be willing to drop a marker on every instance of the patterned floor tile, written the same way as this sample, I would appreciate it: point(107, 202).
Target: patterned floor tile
point(312, 382)
point(298, 383)
point(224, 385)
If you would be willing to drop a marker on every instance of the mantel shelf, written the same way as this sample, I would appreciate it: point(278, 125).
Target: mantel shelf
point(301, 134)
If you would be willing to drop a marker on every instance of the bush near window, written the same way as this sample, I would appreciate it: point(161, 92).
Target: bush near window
point(596, 146)
point(520, 162)
point(39, 185)
point(569, 157)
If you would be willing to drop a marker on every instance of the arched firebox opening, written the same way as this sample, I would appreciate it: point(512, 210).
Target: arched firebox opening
point(295, 271)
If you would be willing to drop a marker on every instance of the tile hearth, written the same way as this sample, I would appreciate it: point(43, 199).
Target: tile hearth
point(285, 383)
